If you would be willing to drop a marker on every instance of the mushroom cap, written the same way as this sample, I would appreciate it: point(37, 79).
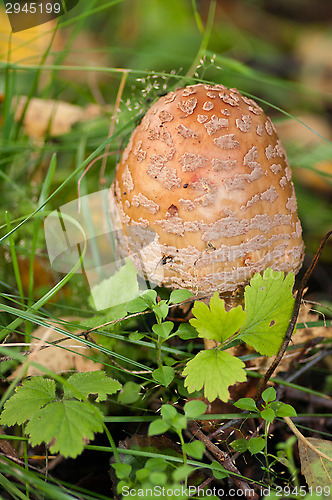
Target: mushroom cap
point(204, 193)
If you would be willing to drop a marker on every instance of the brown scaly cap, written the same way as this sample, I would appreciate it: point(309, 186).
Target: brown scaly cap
point(206, 174)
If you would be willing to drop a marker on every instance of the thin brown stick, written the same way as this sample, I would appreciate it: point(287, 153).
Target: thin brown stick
point(223, 458)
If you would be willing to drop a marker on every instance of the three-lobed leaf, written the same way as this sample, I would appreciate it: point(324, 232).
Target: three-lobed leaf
point(213, 322)
point(95, 382)
point(269, 304)
point(214, 370)
point(65, 424)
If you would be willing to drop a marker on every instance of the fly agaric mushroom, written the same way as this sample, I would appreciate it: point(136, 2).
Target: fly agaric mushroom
point(206, 173)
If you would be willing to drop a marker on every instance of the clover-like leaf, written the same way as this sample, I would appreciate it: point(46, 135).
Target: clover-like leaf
point(214, 370)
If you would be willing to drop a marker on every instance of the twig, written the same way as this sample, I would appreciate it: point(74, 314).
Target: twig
point(300, 436)
point(291, 327)
point(223, 459)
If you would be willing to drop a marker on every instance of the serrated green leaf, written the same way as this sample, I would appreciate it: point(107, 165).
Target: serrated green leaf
point(158, 426)
point(95, 382)
point(194, 449)
point(269, 395)
point(214, 370)
point(163, 329)
point(120, 288)
point(179, 296)
point(246, 404)
point(27, 400)
point(130, 393)
point(214, 322)
point(195, 408)
point(66, 425)
point(164, 375)
point(269, 305)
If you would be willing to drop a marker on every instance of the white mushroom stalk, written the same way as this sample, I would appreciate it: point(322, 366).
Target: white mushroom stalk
point(204, 193)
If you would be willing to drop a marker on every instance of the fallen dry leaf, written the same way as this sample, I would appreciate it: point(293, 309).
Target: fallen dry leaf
point(27, 46)
point(54, 117)
point(55, 357)
point(316, 469)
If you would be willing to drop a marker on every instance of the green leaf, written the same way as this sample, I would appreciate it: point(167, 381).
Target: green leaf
point(158, 478)
point(214, 370)
point(256, 444)
point(27, 400)
point(66, 425)
point(95, 382)
point(122, 471)
point(221, 473)
point(168, 413)
point(156, 464)
point(158, 426)
point(130, 393)
point(164, 375)
point(269, 305)
point(145, 301)
point(182, 472)
point(215, 322)
point(161, 309)
point(246, 404)
point(120, 288)
point(163, 329)
point(134, 336)
point(195, 408)
point(269, 395)
point(268, 414)
point(194, 449)
point(186, 331)
point(285, 410)
point(240, 445)
point(142, 474)
point(178, 296)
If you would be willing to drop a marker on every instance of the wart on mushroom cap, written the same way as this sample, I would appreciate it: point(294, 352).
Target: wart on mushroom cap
point(206, 172)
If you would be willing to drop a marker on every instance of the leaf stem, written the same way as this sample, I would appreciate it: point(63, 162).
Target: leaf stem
point(300, 436)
